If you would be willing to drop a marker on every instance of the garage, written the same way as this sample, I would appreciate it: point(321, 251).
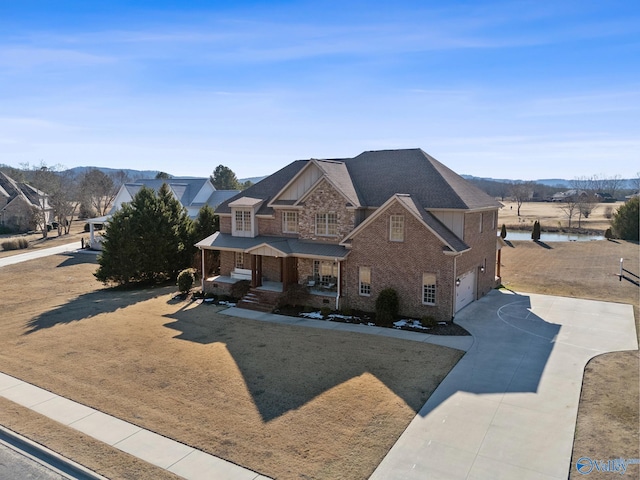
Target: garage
point(465, 291)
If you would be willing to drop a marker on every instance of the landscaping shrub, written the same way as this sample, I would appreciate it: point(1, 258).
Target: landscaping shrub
point(625, 221)
point(240, 289)
point(186, 279)
point(296, 295)
point(429, 321)
point(503, 232)
point(535, 234)
point(15, 244)
point(387, 306)
point(608, 234)
point(325, 311)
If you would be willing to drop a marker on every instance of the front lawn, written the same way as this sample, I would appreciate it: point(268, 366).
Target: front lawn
point(286, 401)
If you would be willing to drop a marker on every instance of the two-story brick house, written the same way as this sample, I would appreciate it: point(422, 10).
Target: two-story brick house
point(348, 228)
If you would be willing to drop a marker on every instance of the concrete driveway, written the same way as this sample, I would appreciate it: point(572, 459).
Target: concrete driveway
point(508, 409)
point(43, 252)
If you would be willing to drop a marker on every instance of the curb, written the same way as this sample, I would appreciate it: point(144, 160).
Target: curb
point(46, 457)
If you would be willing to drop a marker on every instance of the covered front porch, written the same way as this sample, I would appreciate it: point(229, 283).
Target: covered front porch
point(274, 264)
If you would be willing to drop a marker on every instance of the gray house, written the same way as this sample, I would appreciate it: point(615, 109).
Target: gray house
point(192, 193)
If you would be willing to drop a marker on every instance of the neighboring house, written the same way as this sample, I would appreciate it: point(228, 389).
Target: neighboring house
point(17, 203)
point(569, 196)
point(349, 228)
point(192, 193)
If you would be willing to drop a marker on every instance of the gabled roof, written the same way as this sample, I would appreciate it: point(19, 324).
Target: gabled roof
point(185, 189)
point(372, 177)
point(450, 241)
point(10, 189)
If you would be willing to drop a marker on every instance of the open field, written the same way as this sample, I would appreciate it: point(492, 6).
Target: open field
point(551, 215)
point(609, 412)
point(285, 401)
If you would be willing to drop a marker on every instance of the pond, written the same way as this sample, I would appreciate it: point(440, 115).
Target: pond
point(553, 237)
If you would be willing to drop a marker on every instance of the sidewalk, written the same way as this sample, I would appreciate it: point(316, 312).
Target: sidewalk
point(43, 252)
point(161, 451)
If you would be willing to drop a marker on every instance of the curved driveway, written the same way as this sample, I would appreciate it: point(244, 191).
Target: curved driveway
point(508, 409)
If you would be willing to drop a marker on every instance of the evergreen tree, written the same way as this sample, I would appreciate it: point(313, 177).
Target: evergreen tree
point(535, 235)
point(625, 221)
point(224, 178)
point(205, 225)
point(148, 240)
point(503, 231)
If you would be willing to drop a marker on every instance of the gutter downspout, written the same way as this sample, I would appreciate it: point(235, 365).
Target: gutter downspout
point(202, 276)
point(453, 298)
point(338, 285)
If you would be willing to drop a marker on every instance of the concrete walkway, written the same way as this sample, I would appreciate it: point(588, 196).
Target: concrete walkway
point(161, 451)
point(460, 343)
point(508, 409)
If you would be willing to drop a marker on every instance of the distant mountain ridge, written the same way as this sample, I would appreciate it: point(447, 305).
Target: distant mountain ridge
point(136, 174)
point(131, 173)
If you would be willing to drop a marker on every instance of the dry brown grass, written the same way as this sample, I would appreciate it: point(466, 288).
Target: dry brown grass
point(289, 402)
point(550, 215)
point(609, 411)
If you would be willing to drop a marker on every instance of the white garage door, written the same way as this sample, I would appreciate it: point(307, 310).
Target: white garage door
point(465, 292)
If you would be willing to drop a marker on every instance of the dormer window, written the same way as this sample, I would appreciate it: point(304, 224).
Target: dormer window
point(243, 216)
point(243, 220)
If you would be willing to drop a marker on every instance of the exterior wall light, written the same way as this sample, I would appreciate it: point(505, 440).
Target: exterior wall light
point(457, 282)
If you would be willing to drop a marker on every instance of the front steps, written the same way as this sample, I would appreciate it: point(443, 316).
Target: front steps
point(259, 300)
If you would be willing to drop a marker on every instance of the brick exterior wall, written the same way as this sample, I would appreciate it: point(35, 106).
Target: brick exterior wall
point(227, 262)
point(399, 265)
point(270, 226)
point(225, 223)
point(325, 199)
point(483, 249)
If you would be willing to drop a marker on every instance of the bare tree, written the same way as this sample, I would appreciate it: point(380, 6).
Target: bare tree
point(63, 197)
point(570, 208)
point(98, 190)
point(520, 192)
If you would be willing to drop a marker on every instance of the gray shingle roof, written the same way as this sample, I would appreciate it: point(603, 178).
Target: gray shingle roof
point(288, 246)
point(375, 176)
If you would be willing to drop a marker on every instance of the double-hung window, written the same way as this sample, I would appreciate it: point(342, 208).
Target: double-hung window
point(290, 222)
point(327, 224)
point(396, 228)
point(429, 288)
point(364, 281)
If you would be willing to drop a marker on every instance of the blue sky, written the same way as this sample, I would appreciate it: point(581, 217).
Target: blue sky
point(505, 89)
